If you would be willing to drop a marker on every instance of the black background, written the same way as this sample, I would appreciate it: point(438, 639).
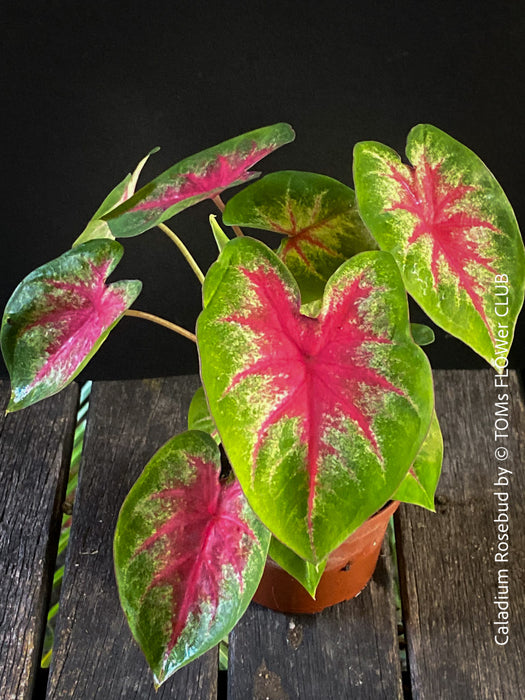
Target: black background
point(89, 88)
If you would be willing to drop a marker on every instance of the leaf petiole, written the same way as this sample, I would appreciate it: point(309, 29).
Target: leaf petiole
point(185, 252)
point(221, 206)
point(161, 322)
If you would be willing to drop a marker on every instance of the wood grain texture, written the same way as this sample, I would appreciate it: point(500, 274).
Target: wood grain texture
point(95, 655)
point(35, 448)
point(349, 650)
point(448, 571)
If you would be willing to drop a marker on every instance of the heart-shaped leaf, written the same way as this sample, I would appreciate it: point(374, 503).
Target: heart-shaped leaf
point(305, 572)
point(97, 228)
point(189, 553)
point(58, 317)
point(196, 178)
point(452, 231)
point(316, 213)
point(419, 485)
point(322, 417)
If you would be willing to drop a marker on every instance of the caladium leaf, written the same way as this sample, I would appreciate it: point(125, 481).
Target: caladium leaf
point(189, 553)
point(58, 317)
point(419, 485)
point(196, 178)
point(97, 228)
point(305, 572)
point(317, 214)
point(452, 231)
point(199, 415)
point(423, 335)
point(321, 417)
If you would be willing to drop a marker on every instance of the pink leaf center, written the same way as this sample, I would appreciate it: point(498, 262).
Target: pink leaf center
point(215, 177)
point(317, 369)
point(202, 532)
point(449, 222)
point(79, 313)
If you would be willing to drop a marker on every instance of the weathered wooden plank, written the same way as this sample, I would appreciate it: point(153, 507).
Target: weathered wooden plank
point(449, 575)
point(35, 447)
point(95, 655)
point(349, 650)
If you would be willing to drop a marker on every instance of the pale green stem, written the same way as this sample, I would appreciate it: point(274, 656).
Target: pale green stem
point(220, 206)
point(161, 322)
point(186, 253)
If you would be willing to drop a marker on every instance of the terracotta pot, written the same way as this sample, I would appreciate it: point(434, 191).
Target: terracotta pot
point(349, 569)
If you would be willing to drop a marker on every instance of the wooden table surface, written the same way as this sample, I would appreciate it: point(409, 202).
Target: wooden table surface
point(444, 562)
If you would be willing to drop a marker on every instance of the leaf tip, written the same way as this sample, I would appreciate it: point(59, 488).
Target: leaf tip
point(11, 406)
point(429, 504)
point(161, 672)
point(289, 129)
point(312, 592)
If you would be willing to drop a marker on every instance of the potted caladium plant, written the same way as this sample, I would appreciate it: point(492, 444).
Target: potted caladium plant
point(316, 411)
